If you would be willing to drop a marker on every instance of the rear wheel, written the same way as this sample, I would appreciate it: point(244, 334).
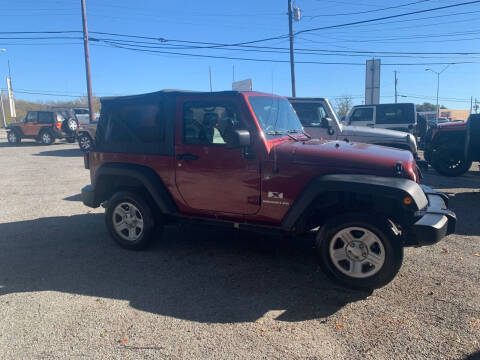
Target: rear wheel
point(450, 161)
point(359, 251)
point(13, 137)
point(47, 138)
point(130, 220)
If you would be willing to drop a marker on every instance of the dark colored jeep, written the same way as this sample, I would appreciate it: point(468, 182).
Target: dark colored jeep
point(44, 126)
point(451, 147)
point(241, 160)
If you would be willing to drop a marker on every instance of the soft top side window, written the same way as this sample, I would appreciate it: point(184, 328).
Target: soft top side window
point(45, 117)
point(31, 116)
point(209, 123)
point(310, 115)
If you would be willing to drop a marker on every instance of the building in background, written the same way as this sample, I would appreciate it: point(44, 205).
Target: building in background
point(453, 115)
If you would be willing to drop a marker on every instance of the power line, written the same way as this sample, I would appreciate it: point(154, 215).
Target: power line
point(133, 48)
point(367, 11)
point(387, 17)
point(164, 40)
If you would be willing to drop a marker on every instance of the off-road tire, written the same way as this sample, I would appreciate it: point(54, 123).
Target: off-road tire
point(85, 142)
point(13, 137)
point(381, 228)
point(126, 201)
point(46, 137)
point(450, 161)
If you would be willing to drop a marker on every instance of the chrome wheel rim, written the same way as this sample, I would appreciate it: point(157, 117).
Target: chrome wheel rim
point(12, 137)
point(128, 221)
point(357, 252)
point(46, 137)
point(85, 142)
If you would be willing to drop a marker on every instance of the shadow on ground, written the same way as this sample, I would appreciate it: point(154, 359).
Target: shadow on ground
point(469, 180)
point(28, 143)
point(77, 197)
point(192, 273)
point(61, 153)
point(467, 220)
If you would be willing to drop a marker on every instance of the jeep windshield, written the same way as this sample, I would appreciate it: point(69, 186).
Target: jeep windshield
point(275, 116)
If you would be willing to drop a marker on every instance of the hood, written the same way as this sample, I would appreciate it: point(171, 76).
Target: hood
point(364, 131)
point(453, 125)
point(15, 123)
point(343, 157)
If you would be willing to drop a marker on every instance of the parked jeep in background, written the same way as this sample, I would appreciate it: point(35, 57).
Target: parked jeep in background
point(320, 121)
point(86, 136)
point(44, 126)
point(241, 160)
point(452, 147)
point(401, 117)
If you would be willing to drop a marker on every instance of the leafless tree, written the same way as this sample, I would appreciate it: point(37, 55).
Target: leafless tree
point(343, 105)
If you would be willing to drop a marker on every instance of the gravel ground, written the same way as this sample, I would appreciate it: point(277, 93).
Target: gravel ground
point(67, 291)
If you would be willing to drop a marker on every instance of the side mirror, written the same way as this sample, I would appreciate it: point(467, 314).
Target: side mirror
point(326, 123)
point(240, 139)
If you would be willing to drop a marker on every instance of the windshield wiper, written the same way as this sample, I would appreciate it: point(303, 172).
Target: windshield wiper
point(295, 131)
point(274, 132)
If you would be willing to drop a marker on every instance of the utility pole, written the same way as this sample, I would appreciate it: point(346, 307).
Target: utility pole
point(210, 74)
point(471, 104)
point(87, 60)
point(292, 59)
point(438, 86)
point(396, 82)
point(3, 111)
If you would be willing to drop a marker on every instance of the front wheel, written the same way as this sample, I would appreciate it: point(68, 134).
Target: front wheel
point(360, 251)
point(13, 137)
point(85, 142)
point(130, 220)
point(450, 161)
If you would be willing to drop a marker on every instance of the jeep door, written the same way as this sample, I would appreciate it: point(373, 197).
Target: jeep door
point(362, 116)
point(31, 127)
point(313, 116)
point(209, 174)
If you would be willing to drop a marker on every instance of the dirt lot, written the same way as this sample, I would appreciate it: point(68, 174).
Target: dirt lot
point(66, 291)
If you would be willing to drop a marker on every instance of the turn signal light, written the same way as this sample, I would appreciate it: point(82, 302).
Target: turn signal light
point(407, 200)
point(59, 125)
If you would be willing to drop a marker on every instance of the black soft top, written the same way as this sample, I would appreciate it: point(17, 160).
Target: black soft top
point(142, 124)
point(166, 93)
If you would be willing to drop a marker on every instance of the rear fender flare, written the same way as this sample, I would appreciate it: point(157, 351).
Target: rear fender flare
point(146, 176)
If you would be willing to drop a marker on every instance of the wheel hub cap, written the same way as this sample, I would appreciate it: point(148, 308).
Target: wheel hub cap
point(357, 252)
point(128, 221)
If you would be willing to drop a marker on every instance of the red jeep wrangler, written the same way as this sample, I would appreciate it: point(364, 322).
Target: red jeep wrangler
point(241, 159)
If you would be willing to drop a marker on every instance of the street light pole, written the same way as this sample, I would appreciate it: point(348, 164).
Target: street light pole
point(438, 85)
point(396, 82)
point(4, 120)
point(87, 61)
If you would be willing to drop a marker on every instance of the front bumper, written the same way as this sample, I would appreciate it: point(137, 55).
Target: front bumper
point(436, 220)
point(88, 197)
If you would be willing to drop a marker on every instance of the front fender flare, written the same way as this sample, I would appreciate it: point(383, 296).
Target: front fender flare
point(386, 187)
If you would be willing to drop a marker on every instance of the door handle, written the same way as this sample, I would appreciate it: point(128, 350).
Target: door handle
point(187, 157)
